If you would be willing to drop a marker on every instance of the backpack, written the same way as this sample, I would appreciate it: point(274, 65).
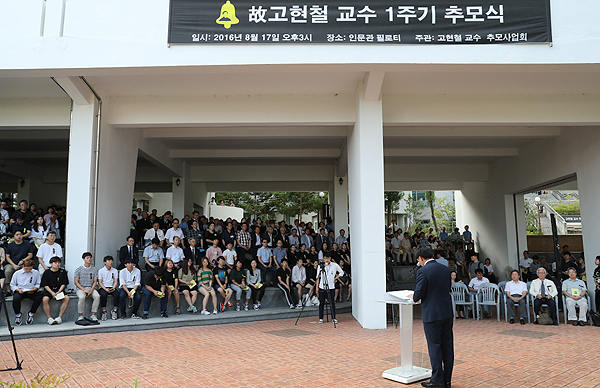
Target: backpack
point(544, 318)
point(595, 317)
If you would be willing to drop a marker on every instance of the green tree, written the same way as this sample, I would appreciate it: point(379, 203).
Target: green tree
point(413, 211)
point(445, 214)
point(430, 198)
point(392, 200)
point(531, 219)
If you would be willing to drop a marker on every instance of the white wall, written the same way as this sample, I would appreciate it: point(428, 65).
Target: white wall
point(162, 202)
point(222, 212)
point(114, 33)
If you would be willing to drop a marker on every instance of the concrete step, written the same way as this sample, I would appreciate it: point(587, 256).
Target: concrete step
point(273, 298)
point(155, 322)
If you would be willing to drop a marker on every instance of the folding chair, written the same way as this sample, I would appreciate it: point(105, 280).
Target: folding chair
point(462, 297)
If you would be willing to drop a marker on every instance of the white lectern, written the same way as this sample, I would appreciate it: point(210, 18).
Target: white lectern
point(406, 373)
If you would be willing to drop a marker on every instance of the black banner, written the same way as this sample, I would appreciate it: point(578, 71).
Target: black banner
point(340, 21)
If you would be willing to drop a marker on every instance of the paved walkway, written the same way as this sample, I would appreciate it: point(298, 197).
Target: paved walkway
point(278, 354)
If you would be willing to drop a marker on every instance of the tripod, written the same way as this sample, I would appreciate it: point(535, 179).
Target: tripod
point(323, 277)
point(12, 338)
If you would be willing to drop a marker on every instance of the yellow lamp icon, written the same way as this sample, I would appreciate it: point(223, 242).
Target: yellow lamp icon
point(227, 17)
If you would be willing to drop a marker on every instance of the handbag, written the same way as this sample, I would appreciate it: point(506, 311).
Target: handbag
point(595, 317)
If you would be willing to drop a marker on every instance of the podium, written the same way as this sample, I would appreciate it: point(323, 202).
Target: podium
point(406, 373)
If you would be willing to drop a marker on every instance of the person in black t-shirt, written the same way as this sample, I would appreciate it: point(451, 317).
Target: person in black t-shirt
point(221, 283)
point(23, 212)
point(155, 285)
point(284, 275)
point(172, 283)
point(15, 253)
point(53, 284)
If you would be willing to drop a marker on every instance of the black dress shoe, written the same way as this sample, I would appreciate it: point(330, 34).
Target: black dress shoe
point(522, 321)
point(429, 384)
point(581, 323)
point(511, 321)
point(575, 323)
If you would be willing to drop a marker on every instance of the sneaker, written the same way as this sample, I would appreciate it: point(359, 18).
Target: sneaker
point(215, 311)
point(189, 309)
point(222, 307)
point(104, 316)
point(113, 315)
point(205, 312)
point(93, 318)
point(259, 304)
point(237, 307)
point(123, 317)
point(51, 321)
point(194, 309)
point(80, 318)
point(299, 307)
point(335, 321)
point(255, 306)
point(133, 316)
point(29, 319)
point(18, 320)
point(145, 316)
point(229, 304)
point(164, 314)
point(58, 321)
point(246, 306)
point(320, 321)
point(292, 306)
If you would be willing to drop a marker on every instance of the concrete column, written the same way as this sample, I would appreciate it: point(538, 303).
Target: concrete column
point(340, 204)
point(200, 197)
point(80, 194)
point(588, 184)
point(182, 194)
point(365, 182)
point(116, 180)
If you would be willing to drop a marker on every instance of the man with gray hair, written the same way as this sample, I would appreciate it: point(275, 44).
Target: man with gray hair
point(544, 291)
point(516, 292)
point(574, 290)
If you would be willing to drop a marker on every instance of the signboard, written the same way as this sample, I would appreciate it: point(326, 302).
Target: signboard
point(355, 22)
point(572, 218)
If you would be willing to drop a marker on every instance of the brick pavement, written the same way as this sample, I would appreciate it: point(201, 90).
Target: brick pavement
point(262, 354)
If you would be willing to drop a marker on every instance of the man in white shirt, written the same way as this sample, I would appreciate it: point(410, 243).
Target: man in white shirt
point(297, 228)
point(175, 253)
point(516, 292)
point(394, 227)
point(299, 279)
point(544, 291)
point(175, 231)
point(524, 264)
point(396, 247)
point(130, 280)
point(108, 280)
point(155, 232)
point(25, 284)
point(48, 250)
point(230, 255)
point(474, 286)
point(332, 272)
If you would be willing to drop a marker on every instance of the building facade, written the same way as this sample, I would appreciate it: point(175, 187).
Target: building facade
point(95, 106)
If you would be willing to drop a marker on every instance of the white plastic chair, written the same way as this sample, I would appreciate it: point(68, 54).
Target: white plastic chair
point(566, 314)
point(462, 297)
point(488, 295)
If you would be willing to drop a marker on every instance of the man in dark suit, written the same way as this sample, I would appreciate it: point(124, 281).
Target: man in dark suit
point(433, 290)
point(128, 252)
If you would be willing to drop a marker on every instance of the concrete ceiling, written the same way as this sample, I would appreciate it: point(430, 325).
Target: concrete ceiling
point(30, 87)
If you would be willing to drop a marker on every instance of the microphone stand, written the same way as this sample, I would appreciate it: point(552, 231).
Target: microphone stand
point(12, 338)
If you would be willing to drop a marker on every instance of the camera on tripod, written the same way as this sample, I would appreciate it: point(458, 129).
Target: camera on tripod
point(322, 264)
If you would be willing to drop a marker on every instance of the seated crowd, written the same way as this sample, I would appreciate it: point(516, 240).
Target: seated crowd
point(198, 255)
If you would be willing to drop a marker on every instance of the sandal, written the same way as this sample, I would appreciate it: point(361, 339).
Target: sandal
point(177, 312)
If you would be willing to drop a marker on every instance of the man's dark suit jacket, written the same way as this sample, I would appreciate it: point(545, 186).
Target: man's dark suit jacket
point(433, 290)
point(124, 255)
